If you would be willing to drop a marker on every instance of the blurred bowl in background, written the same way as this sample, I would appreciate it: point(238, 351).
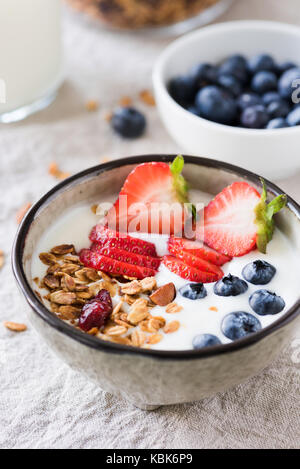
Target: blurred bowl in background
point(165, 16)
point(272, 153)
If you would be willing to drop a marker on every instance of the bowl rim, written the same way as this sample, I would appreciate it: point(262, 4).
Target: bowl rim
point(160, 86)
point(40, 309)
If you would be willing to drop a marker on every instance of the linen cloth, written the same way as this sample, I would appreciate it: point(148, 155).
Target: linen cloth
point(44, 404)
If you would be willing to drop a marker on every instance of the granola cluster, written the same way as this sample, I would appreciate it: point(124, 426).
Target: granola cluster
point(70, 286)
point(135, 14)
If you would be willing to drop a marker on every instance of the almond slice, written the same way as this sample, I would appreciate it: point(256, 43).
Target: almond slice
point(172, 326)
point(125, 101)
point(148, 284)
point(153, 325)
point(94, 208)
point(138, 311)
point(63, 298)
point(22, 212)
point(164, 295)
point(120, 340)
point(54, 170)
point(63, 249)
point(92, 105)
point(161, 320)
point(155, 338)
point(69, 312)
point(109, 286)
point(1, 258)
point(69, 268)
point(138, 338)
point(47, 258)
point(14, 326)
point(116, 331)
point(51, 281)
point(173, 308)
point(147, 97)
point(91, 274)
point(68, 283)
point(117, 308)
point(131, 288)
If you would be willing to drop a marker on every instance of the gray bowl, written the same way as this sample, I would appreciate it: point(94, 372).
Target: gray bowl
point(150, 378)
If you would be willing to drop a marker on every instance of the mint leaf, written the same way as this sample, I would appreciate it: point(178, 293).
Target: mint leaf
point(264, 217)
point(276, 205)
point(192, 209)
point(180, 186)
point(177, 165)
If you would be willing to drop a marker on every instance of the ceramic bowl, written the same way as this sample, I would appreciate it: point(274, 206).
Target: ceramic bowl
point(149, 378)
point(272, 153)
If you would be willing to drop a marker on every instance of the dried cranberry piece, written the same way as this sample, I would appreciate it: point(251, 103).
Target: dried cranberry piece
point(96, 311)
point(104, 296)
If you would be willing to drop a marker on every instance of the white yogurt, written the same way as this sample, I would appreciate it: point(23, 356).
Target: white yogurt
point(196, 316)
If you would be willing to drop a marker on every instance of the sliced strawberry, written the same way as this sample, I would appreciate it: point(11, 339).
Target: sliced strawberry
point(146, 197)
point(127, 257)
point(112, 239)
point(199, 250)
point(229, 220)
point(97, 261)
point(238, 219)
point(187, 272)
point(189, 259)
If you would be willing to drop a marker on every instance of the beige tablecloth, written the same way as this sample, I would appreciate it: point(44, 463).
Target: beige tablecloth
point(42, 402)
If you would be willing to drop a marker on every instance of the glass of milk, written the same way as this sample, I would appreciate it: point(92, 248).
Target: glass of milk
point(30, 56)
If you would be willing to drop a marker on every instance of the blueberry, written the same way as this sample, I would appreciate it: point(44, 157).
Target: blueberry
point(205, 340)
point(262, 62)
point(265, 302)
point(128, 122)
point(237, 60)
point(230, 286)
point(239, 324)
point(254, 117)
point(193, 291)
point(216, 105)
point(293, 117)
point(278, 123)
point(235, 65)
point(281, 68)
point(231, 84)
point(259, 272)
point(278, 109)
point(270, 96)
point(248, 99)
point(193, 110)
point(263, 82)
point(204, 74)
point(182, 89)
point(285, 84)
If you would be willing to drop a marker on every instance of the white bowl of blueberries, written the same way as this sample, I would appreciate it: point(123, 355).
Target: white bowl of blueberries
point(231, 91)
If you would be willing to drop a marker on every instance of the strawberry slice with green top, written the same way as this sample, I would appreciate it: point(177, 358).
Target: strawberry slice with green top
point(146, 196)
point(199, 250)
point(188, 272)
point(239, 218)
point(96, 261)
